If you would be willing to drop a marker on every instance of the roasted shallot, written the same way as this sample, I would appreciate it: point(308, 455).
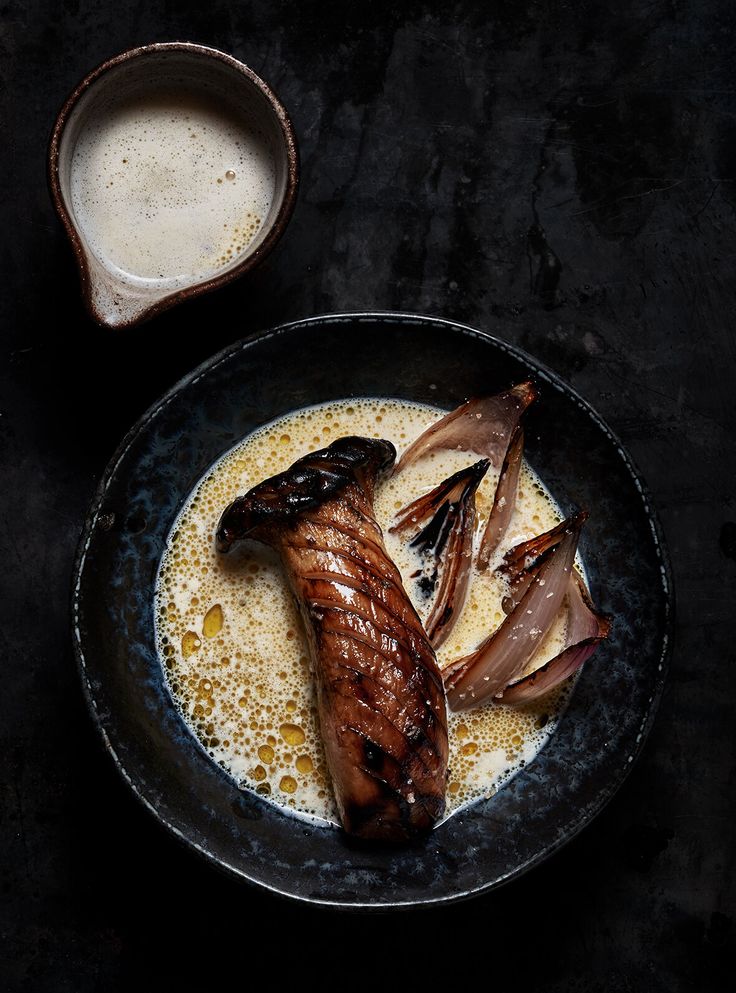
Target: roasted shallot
point(586, 628)
point(485, 673)
point(540, 571)
point(448, 540)
point(520, 563)
point(504, 500)
point(483, 425)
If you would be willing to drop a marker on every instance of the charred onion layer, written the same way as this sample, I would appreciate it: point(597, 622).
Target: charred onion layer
point(483, 425)
point(504, 500)
point(502, 657)
point(448, 538)
point(541, 577)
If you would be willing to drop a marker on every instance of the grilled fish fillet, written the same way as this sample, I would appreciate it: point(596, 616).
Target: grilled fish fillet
point(380, 697)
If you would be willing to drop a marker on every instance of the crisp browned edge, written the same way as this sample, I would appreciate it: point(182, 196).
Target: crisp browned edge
point(248, 263)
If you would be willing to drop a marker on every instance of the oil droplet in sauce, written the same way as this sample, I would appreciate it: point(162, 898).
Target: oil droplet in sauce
point(292, 734)
point(189, 644)
point(213, 620)
point(304, 764)
point(266, 754)
point(288, 784)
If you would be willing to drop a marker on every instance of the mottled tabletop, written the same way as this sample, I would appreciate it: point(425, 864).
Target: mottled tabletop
point(562, 175)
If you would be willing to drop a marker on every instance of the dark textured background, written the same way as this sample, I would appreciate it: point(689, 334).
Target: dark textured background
point(561, 174)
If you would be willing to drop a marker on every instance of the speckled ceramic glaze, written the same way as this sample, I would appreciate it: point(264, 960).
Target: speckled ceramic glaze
point(145, 486)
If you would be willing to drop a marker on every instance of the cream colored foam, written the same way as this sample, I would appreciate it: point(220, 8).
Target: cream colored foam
point(246, 688)
point(170, 189)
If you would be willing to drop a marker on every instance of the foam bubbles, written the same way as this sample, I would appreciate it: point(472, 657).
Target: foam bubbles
point(231, 642)
point(170, 188)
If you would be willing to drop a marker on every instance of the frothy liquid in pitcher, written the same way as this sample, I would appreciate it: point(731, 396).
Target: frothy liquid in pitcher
point(171, 188)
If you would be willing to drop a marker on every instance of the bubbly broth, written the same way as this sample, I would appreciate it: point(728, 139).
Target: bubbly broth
point(171, 188)
point(230, 637)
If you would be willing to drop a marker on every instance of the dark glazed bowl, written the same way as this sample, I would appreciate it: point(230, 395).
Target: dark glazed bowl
point(113, 302)
point(148, 480)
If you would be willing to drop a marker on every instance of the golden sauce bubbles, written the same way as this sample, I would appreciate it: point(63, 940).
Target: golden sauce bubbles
point(232, 645)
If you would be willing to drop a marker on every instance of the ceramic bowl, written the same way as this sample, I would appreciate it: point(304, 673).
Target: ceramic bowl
point(151, 476)
point(113, 299)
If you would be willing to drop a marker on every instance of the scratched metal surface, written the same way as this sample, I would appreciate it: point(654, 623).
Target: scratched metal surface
point(565, 171)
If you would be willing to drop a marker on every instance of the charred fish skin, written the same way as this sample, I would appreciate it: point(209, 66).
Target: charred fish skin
point(379, 691)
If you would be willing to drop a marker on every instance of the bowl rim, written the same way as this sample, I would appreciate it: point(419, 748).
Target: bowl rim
point(541, 371)
point(250, 261)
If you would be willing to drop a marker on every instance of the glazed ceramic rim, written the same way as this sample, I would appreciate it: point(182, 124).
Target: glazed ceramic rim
point(251, 260)
point(542, 372)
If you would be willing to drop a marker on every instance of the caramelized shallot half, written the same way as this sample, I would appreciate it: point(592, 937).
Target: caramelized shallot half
point(586, 628)
point(483, 425)
point(526, 554)
point(504, 500)
point(448, 538)
point(520, 563)
point(503, 656)
point(542, 579)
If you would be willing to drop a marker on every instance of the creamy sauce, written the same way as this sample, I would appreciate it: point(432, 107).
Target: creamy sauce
point(170, 188)
point(230, 637)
